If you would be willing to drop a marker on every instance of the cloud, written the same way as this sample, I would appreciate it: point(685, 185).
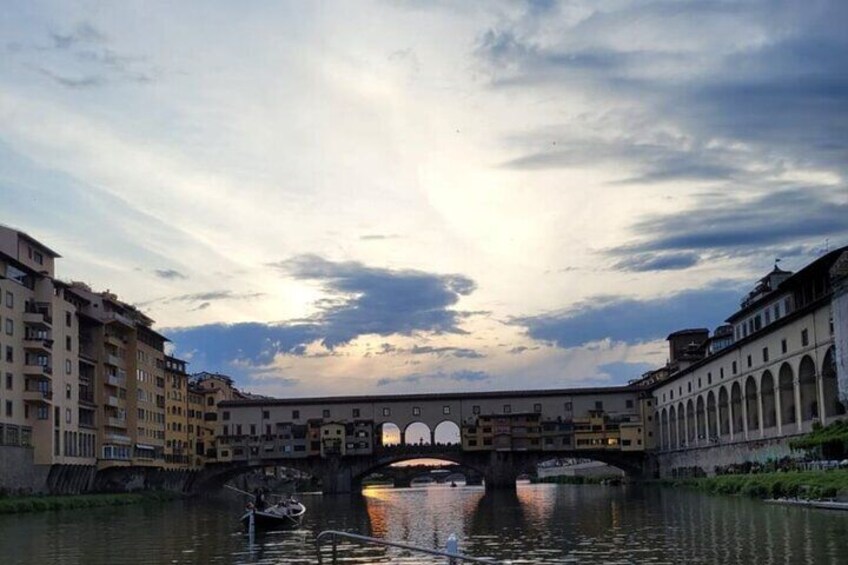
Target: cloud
point(446, 351)
point(82, 33)
point(169, 274)
point(378, 237)
point(632, 320)
point(657, 262)
point(726, 222)
point(369, 300)
point(416, 378)
point(623, 371)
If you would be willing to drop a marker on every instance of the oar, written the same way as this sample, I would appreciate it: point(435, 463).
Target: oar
point(240, 491)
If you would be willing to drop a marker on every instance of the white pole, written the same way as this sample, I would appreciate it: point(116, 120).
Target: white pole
point(452, 547)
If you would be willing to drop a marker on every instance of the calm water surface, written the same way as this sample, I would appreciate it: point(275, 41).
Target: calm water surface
point(537, 524)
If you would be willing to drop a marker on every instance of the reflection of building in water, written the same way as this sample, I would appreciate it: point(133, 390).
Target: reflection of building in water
point(577, 468)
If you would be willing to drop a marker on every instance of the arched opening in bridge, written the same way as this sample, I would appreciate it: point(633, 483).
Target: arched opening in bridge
point(417, 433)
point(389, 434)
point(690, 423)
point(447, 433)
point(786, 386)
point(419, 472)
point(830, 386)
point(736, 408)
point(752, 404)
point(769, 407)
point(712, 422)
point(672, 427)
point(723, 412)
point(809, 393)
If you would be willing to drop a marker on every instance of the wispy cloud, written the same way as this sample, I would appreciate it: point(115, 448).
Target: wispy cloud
point(169, 274)
point(416, 378)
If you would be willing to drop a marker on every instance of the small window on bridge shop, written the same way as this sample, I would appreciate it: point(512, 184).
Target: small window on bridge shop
point(356, 412)
point(445, 410)
point(599, 405)
point(472, 443)
point(226, 415)
point(537, 408)
point(628, 403)
point(475, 410)
point(387, 411)
point(487, 441)
point(266, 415)
point(295, 414)
point(507, 409)
point(416, 411)
point(326, 413)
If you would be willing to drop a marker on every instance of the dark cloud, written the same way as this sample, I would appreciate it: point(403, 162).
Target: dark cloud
point(82, 33)
point(459, 352)
point(633, 320)
point(370, 300)
point(418, 378)
point(170, 274)
point(724, 223)
point(657, 262)
point(518, 350)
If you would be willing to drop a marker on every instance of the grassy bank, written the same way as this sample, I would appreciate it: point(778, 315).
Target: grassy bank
point(13, 505)
point(809, 485)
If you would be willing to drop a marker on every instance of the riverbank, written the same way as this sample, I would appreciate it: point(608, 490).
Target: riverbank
point(572, 480)
point(15, 505)
point(806, 485)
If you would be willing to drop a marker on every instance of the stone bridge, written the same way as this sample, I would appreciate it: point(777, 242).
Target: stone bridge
point(499, 469)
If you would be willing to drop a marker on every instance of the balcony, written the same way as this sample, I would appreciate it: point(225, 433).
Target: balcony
point(118, 438)
point(116, 381)
point(110, 317)
point(114, 339)
point(114, 360)
point(38, 344)
point(33, 369)
point(116, 422)
point(112, 401)
point(37, 314)
point(36, 395)
point(86, 397)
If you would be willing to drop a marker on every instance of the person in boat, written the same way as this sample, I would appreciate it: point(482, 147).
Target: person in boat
point(259, 499)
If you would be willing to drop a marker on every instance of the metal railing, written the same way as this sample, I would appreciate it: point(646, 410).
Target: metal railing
point(333, 536)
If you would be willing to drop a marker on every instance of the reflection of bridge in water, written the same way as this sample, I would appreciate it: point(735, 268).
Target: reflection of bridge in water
point(403, 476)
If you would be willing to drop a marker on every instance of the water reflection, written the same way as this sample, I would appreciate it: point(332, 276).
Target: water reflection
point(536, 524)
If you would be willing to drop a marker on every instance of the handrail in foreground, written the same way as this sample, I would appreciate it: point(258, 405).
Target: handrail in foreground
point(334, 535)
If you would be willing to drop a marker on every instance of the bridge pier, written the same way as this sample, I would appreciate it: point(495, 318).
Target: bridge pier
point(337, 478)
point(501, 471)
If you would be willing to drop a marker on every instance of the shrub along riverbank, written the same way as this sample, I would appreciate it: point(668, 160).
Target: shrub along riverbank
point(13, 505)
point(808, 485)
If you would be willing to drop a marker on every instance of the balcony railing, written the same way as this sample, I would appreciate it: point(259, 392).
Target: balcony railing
point(117, 317)
point(116, 381)
point(112, 401)
point(114, 360)
point(117, 422)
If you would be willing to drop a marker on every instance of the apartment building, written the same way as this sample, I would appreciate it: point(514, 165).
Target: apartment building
point(177, 438)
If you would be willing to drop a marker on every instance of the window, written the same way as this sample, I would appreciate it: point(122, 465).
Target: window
point(8, 408)
point(768, 317)
point(568, 407)
point(210, 401)
point(475, 410)
point(67, 366)
point(750, 361)
point(265, 415)
point(445, 410)
point(805, 338)
point(777, 311)
point(38, 257)
point(721, 372)
point(10, 300)
point(599, 405)
point(253, 429)
point(537, 408)
point(765, 355)
point(699, 382)
point(671, 394)
point(295, 414)
point(356, 412)
point(325, 413)
point(507, 409)
point(67, 343)
point(416, 411)
point(628, 403)
point(9, 379)
point(67, 415)
point(10, 354)
point(387, 411)
point(68, 319)
point(68, 392)
point(225, 416)
point(689, 386)
point(733, 367)
point(709, 379)
point(783, 347)
point(10, 326)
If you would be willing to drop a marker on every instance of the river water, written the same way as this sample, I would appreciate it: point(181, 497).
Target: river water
point(536, 524)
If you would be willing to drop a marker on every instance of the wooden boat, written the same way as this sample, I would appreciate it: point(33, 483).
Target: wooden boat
point(285, 514)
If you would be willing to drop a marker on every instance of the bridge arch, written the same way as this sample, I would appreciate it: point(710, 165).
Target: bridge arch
point(389, 433)
point(809, 390)
point(447, 432)
point(830, 386)
point(767, 393)
point(723, 411)
point(786, 386)
point(417, 433)
point(752, 405)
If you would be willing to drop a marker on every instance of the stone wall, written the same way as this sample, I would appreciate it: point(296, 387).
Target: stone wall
point(19, 474)
point(708, 458)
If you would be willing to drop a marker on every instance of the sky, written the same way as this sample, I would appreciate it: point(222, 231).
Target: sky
point(411, 196)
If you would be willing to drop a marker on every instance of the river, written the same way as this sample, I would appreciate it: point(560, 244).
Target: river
point(536, 524)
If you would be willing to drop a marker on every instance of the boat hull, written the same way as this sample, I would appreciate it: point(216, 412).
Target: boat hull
point(263, 520)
